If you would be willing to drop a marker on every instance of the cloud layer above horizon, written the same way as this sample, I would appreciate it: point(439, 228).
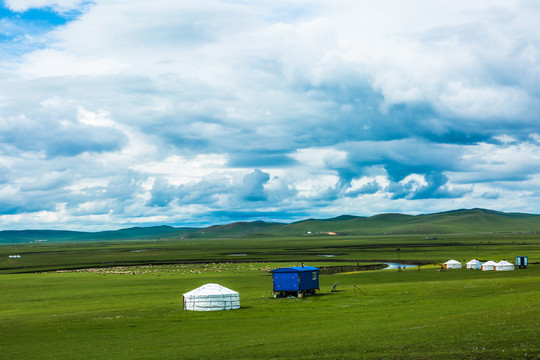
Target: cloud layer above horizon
point(119, 113)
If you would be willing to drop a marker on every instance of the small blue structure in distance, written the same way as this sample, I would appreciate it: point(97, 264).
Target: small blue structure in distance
point(298, 280)
point(522, 261)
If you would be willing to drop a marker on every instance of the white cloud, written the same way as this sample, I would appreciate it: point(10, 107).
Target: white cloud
point(339, 105)
point(490, 163)
point(179, 170)
point(59, 5)
point(320, 157)
point(54, 63)
point(484, 102)
point(101, 118)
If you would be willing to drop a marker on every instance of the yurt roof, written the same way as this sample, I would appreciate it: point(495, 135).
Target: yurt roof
point(474, 261)
point(452, 262)
point(211, 289)
point(490, 263)
point(504, 262)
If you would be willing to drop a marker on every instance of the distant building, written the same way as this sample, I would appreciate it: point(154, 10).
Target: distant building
point(504, 266)
point(474, 264)
point(522, 261)
point(452, 264)
point(489, 265)
point(211, 297)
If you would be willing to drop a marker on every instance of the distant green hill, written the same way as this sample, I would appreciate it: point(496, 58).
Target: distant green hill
point(26, 236)
point(466, 221)
point(19, 236)
point(237, 229)
point(452, 222)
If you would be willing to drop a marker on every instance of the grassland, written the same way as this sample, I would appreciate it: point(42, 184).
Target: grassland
point(347, 249)
point(125, 300)
point(136, 312)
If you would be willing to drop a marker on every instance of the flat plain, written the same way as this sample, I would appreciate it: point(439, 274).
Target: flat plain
point(124, 299)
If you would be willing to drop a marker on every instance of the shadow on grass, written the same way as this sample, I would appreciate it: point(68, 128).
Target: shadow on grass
point(307, 297)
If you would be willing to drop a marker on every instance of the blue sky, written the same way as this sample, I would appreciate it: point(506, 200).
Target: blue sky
point(120, 113)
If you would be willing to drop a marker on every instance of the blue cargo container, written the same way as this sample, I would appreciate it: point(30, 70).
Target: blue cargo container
point(300, 279)
point(522, 261)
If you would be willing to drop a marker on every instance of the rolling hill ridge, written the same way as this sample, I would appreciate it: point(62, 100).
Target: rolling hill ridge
point(467, 221)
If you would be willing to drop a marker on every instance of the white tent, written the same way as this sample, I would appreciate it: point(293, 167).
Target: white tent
point(488, 265)
point(452, 264)
point(474, 264)
point(504, 266)
point(211, 297)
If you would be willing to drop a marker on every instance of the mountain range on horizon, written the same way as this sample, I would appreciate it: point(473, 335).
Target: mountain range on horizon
point(467, 221)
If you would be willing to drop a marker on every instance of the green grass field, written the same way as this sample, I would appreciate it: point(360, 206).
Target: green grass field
point(42, 257)
point(136, 311)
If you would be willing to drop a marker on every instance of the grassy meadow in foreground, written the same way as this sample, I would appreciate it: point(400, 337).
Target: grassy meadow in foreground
point(136, 312)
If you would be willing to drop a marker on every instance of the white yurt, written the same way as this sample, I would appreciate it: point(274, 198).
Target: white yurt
point(489, 265)
point(504, 266)
point(452, 264)
point(211, 297)
point(474, 264)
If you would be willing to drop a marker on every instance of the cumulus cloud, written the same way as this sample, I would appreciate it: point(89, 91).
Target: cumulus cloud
point(54, 138)
point(59, 5)
point(253, 185)
point(162, 193)
point(491, 195)
point(135, 112)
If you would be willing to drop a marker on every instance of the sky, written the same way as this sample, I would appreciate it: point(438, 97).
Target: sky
point(120, 113)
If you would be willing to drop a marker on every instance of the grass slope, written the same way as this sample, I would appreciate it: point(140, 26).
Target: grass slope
point(452, 222)
point(459, 221)
point(26, 236)
point(19, 236)
point(237, 229)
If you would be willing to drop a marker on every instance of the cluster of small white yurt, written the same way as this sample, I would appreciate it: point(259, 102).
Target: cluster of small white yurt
point(211, 297)
point(478, 265)
point(500, 266)
point(504, 266)
point(452, 264)
point(474, 264)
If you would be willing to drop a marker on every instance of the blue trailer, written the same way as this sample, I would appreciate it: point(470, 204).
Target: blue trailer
point(298, 280)
point(522, 261)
